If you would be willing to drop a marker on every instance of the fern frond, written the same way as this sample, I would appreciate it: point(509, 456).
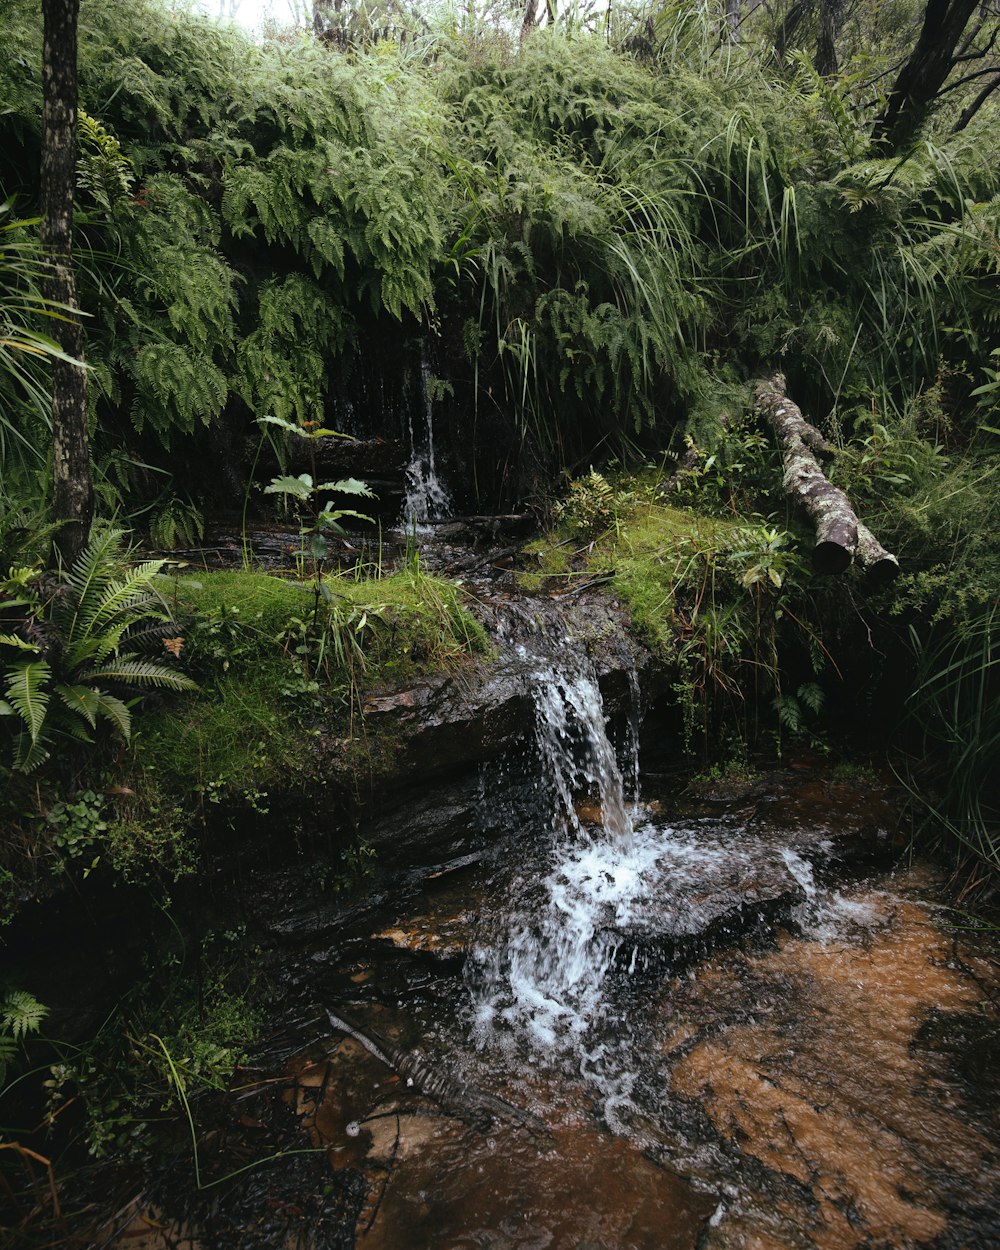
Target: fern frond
point(29, 755)
point(125, 595)
point(349, 486)
point(81, 700)
point(87, 578)
point(26, 692)
point(22, 1014)
point(134, 671)
point(115, 711)
point(14, 640)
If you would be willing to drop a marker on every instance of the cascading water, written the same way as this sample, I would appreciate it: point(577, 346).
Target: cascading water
point(542, 980)
point(427, 497)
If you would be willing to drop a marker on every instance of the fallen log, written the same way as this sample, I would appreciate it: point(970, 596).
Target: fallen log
point(840, 536)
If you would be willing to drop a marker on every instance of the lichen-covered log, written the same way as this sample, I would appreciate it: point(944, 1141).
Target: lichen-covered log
point(839, 535)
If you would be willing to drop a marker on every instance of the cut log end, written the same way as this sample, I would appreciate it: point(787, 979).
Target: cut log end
point(881, 567)
point(831, 557)
point(882, 572)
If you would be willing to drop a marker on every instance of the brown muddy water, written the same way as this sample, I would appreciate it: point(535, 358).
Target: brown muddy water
point(623, 1026)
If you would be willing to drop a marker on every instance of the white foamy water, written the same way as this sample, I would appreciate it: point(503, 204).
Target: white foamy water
point(542, 979)
point(576, 753)
point(427, 497)
point(825, 915)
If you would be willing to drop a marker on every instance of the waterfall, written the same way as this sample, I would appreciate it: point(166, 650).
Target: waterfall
point(542, 978)
point(427, 497)
point(576, 752)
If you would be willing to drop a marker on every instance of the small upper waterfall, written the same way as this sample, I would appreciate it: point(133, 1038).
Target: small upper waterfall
point(427, 497)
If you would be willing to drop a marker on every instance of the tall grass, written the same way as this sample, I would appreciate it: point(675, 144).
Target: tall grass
point(954, 715)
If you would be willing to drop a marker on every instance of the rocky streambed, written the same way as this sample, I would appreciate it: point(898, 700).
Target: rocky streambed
point(734, 1024)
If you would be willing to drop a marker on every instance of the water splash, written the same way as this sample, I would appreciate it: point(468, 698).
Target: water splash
point(824, 915)
point(543, 979)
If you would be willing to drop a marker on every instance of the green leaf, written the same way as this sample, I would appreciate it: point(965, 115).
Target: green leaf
point(83, 700)
point(12, 640)
point(22, 1014)
point(331, 518)
point(298, 487)
point(26, 691)
point(28, 755)
point(133, 671)
point(116, 712)
point(349, 486)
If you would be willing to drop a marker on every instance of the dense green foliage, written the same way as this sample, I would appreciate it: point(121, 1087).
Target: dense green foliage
point(593, 236)
point(601, 234)
point(585, 239)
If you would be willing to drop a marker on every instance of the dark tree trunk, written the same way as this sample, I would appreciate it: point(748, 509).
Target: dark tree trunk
point(789, 25)
point(529, 19)
point(969, 112)
point(734, 19)
point(922, 77)
point(840, 536)
point(72, 492)
point(831, 13)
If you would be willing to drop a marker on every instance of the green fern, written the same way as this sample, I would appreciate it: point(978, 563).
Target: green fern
point(21, 1013)
point(28, 696)
point(101, 606)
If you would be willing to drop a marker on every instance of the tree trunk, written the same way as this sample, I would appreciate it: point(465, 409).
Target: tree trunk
point(839, 534)
point(72, 492)
point(830, 15)
point(529, 18)
point(789, 25)
point(969, 112)
point(922, 77)
point(734, 19)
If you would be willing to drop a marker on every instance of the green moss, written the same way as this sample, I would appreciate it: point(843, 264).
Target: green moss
point(262, 603)
point(276, 657)
point(662, 558)
point(417, 624)
point(547, 559)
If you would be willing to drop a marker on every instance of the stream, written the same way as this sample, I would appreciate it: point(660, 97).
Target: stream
point(728, 1029)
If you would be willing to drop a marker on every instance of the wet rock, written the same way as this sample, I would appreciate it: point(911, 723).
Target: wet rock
point(826, 1085)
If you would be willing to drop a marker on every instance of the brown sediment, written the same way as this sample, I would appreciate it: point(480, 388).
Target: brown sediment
point(434, 1181)
point(827, 1087)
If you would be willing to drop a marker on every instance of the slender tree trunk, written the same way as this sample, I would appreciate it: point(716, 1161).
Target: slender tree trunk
point(922, 77)
point(734, 18)
point(830, 16)
point(72, 492)
point(969, 112)
point(529, 19)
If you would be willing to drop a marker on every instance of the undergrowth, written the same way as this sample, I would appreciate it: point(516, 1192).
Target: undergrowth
point(724, 602)
point(278, 666)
